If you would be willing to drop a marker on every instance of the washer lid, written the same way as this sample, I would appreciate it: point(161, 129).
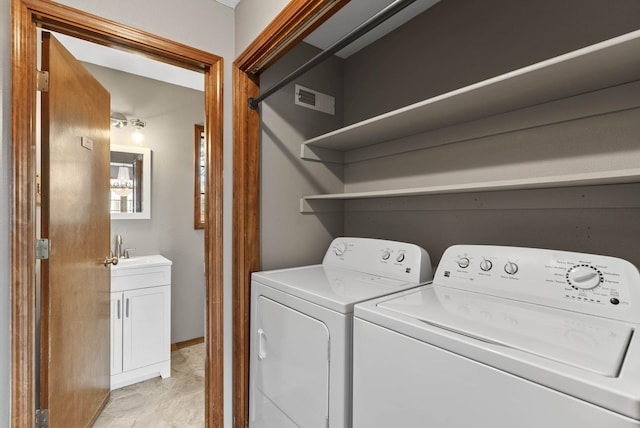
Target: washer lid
point(334, 288)
point(582, 341)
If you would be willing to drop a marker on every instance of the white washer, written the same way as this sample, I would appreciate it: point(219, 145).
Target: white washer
point(301, 329)
point(504, 337)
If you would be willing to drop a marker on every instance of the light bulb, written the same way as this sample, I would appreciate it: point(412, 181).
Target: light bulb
point(137, 136)
point(138, 124)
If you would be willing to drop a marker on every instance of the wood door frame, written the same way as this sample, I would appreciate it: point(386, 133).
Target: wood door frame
point(289, 27)
point(26, 15)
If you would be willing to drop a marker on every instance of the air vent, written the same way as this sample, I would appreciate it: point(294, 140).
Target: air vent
point(315, 100)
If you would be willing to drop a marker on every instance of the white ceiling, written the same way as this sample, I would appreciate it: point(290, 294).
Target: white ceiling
point(131, 63)
point(355, 13)
point(230, 3)
point(348, 18)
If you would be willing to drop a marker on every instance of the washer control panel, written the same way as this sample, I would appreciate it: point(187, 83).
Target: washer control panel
point(587, 283)
point(391, 259)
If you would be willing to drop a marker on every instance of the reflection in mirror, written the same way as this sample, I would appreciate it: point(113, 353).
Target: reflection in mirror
point(130, 196)
point(200, 181)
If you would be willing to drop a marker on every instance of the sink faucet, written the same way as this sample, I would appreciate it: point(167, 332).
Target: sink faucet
point(118, 246)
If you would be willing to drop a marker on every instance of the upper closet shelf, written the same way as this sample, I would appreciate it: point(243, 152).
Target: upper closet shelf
point(333, 202)
point(606, 64)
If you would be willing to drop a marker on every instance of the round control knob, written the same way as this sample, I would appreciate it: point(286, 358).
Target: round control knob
point(386, 255)
point(584, 277)
point(464, 262)
point(486, 265)
point(511, 268)
point(340, 249)
point(400, 258)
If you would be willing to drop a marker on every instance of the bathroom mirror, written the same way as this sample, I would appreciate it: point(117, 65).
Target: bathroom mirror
point(130, 195)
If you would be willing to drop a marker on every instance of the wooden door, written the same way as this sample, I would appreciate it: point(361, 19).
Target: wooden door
point(75, 284)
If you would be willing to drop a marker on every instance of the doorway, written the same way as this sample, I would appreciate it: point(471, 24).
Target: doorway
point(26, 16)
point(160, 117)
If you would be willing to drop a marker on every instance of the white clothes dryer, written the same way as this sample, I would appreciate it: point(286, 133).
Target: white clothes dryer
point(504, 337)
point(301, 329)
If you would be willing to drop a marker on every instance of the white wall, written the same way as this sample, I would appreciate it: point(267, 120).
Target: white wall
point(252, 16)
point(5, 172)
point(203, 24)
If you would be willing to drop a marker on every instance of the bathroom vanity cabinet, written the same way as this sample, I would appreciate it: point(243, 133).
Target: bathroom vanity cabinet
point(140, 320)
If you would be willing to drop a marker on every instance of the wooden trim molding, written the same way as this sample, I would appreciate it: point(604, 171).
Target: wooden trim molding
point(296, 20)
point(23, 301)
point(74, 22)
point(213, 233)
point(25, 16)
point(246, 233)
point(186, 343)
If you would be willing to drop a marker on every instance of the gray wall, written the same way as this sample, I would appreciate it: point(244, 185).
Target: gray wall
point(457, 43)
point(460, 42)
point(289, 238)
point(170, 112)
point(593, 219)
point(454, 44)
point(5, 206)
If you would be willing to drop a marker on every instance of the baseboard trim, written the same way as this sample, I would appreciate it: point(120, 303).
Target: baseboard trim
point(186, 343)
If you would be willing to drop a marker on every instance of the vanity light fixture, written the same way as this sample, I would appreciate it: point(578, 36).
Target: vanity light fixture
point(118, 120)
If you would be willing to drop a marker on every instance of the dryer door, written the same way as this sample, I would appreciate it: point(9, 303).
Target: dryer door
point(292, 367)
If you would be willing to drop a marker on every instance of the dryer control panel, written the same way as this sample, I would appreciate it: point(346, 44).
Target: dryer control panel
point(391, 259)
point(587, 283)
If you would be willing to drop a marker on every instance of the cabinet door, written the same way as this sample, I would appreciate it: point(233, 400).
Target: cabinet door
point(146, 329)
point(116, 332)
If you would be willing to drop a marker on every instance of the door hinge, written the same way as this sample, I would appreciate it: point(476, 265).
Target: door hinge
point(42, 81)
point(42, 249)
point(42, 418)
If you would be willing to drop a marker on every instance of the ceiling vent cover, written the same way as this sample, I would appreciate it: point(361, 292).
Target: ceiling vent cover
point(315, 100)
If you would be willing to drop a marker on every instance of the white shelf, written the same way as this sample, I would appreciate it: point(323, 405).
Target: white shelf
point(603, 65)
point(332, 202)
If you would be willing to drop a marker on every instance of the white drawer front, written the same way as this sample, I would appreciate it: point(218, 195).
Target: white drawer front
point(141, 278)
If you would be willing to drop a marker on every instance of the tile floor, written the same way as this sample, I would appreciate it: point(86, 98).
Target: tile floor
point(177, 401)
